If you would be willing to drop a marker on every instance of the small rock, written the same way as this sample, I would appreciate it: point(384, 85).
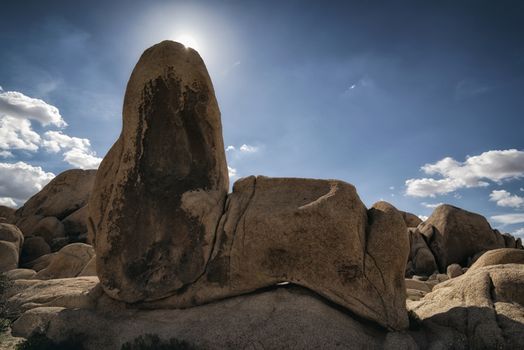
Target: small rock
point(454, 270)
point(20, 274)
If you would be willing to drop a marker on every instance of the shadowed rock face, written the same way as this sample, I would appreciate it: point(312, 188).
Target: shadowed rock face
point(160, 190)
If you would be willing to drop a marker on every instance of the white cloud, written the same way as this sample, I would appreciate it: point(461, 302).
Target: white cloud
point(248, 148)
point(505, 199)
point(428, 187)
point(17, 134)
point(82, 159)
point(431, 205)
point(55, 141)
point(230, 148)
point(16, 112)
point(391, 188)
point(522, 189)
point(18, 105)
point(423, 217)
point(509, 219)
point(519, 233)
point(7, 201)
point(232, 172)
point(495, 166)
point(19, 181)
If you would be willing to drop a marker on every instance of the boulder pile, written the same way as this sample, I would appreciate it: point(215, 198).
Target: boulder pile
point(277, 263)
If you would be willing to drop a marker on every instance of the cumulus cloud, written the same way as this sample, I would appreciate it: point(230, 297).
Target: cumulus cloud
point(505, 199)
point(77, 150)
point(245, 148)
point(509, 219)
point(8, 202)
point(423, 217)
point(17, 134)
point(19, 181)
point(18, 105)
point(16, 113)
point(81, 159)
point(431, 205)
point(232, 172)
point(495, 166)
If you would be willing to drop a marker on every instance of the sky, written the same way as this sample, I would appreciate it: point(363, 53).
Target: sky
point(414, 102)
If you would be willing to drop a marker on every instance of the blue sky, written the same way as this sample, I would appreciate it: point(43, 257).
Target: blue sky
point(413, 102)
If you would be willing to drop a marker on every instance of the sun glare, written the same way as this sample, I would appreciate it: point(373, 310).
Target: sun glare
point(188, 41)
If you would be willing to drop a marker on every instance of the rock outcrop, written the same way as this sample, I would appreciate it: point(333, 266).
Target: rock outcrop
point(11, 240)
point(160, 190)
point(288, 317)
point(410, 219)
point(455, 234)
point(164, 236)
point(7, 214)
point(499, 256)
point(62, 196)
point(314, 233)
point(8, 256)
point(482, 309)
point(68, 262)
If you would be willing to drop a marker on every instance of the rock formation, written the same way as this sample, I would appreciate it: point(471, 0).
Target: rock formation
point(159, 198)
point(160, 190)
point(410, 219)
point(499, 256)
point(482, 309)
point(11, 240)
point(277, 263)
point(455, 234)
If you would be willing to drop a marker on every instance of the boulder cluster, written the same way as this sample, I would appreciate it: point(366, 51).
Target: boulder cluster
point(153, 243)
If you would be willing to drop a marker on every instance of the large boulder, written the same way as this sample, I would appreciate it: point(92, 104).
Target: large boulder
point(7, 214)
point(49, 228)
point(421, 257)
point(68, 262)
point(11, 233)
point(287, 317)
point(33, 248)
point(79, 292)
point(66, 193)
point(455, 234)
point(499, 256)
point(8, 256)
point(482, 309)
point(410, 219)
point(76, 223)
point(160, 191)
point(314, 233)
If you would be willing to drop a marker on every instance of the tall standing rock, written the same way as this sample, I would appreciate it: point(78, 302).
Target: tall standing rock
point(160, 191)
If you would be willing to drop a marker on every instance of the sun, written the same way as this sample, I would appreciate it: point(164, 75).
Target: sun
point(188, 41)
